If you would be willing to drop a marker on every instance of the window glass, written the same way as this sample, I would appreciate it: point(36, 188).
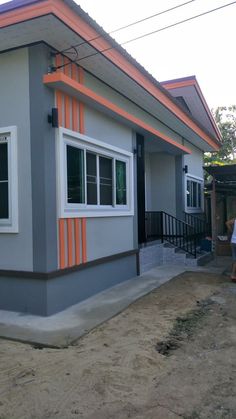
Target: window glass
point(91, 167)
point(105, 177)
point(4, 206)
point(194, 194)
point(188, 193)
point(199, 195)
point(120, 183)
point(75, 175)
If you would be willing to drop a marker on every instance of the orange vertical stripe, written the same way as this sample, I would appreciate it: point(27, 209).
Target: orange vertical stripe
point(62, 259)
point(67, 111)
point(75, 116)
point(59, 62)
point(77, 240)
point(84, 243)
point(81, 75)
point(81, 118)
point(67, 66)
point(69, 242)
point(74, 72)
point(59, 106)
point(81, 105)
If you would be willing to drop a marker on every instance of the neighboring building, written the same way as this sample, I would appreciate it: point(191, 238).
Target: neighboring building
point(74, 197)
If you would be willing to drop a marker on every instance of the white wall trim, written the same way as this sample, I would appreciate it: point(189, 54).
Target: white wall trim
point(11, 225)
point(200, 180)
point(65, 136)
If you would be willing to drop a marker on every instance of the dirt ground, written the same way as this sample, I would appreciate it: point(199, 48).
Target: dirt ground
point(170, 354)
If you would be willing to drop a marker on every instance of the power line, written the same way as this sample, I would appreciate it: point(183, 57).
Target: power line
point(148, 34)
point(130, 24)
point(180, 22)
point(152, 16)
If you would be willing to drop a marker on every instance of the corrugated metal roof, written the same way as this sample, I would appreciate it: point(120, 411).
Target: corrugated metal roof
point(223, 174)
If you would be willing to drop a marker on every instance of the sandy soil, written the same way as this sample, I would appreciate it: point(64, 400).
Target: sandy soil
point(171, 354)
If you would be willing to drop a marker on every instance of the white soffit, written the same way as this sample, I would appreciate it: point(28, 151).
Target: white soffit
point(52, 31)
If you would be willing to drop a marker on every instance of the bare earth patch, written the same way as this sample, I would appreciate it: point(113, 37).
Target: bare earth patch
point(170, 354)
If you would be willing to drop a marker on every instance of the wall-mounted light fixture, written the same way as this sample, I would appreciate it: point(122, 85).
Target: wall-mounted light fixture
point(53, 118)
point(185, 169)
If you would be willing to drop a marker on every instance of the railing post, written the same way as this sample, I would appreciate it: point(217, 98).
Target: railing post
point(162, 233)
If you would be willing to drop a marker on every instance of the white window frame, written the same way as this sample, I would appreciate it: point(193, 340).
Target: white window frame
point(200, 181)
point(67, 137)
point(9, 135)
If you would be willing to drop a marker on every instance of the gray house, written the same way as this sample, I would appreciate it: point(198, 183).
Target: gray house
point(90, 145)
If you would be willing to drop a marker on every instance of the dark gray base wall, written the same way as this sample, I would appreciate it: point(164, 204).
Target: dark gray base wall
point(49, 295)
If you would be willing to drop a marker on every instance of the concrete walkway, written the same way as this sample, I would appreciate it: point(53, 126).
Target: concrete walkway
point(61, 329)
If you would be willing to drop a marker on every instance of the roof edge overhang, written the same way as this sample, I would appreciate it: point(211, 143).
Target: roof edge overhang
point(78, 90)
point(74, 17)
point(192, 81)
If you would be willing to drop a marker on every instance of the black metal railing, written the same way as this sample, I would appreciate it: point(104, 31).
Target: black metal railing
point(165, 227)
point(200, 225)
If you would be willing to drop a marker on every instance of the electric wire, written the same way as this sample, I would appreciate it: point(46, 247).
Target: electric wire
point(145, 35)
point(130, 24)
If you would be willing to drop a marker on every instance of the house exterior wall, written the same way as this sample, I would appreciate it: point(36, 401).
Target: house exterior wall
point(17, 248)
point(116, 98)
point(108, 235)
point(43, 164)
point(194, 161)
point(160, 175)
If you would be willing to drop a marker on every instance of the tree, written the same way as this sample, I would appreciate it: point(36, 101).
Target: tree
point(226, 120)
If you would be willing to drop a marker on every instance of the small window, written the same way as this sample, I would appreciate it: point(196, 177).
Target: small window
point(8, 180)
point(95, 179)
point(4, 186)
point(194, 193)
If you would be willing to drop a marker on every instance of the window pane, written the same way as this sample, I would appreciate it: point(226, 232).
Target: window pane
point(75, 175)
point(91, 178)
point(4, 211)
point(3, 162)
point(188, 193)
point(199, 195)
point(120, 183)
point(105, 174)
point(194, 186)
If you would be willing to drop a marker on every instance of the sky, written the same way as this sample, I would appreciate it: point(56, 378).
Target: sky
point(204, 47)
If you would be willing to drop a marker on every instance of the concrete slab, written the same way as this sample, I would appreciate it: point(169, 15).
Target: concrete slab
point(62, 329)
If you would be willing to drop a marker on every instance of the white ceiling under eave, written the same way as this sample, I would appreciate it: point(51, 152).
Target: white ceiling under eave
point(55, 33)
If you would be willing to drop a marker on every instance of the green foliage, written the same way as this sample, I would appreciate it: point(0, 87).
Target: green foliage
point(226, 120)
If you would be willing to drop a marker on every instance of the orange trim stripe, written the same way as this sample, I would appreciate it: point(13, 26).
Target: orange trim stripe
point(174, 85)
point(76, 23)
point(81, 117)
point(74, 72)
point(75, 116)
point(84, 243)
point(77, 240)
point(67, 67)
point(59, 106)
point(81, 75)
point(67, 111)
point(55, 78)
point(69, 242)
point(59, 62)
point(81, 105)
point(62, 259)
